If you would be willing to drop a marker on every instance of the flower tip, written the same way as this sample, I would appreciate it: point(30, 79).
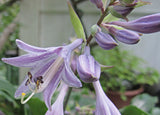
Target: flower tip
point(4, 60)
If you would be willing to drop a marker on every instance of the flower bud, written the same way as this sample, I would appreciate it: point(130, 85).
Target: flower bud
point(87, 67)
point(105, 40)
point(98, 3)
point(120, 11)
point(146, 24)
point(124, 35)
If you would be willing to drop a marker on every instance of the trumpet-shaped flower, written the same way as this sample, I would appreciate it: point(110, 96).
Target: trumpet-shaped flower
point(146, 24)
point(103, 104)
point(48, 67)
point(88, 68)
point(57, 107)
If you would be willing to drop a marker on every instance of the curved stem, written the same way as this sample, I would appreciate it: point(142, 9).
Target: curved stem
point(98, 23)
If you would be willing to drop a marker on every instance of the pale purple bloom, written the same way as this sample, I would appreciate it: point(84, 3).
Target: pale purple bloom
point(48, 67)
point(103, 104)
point(124, 35)
point(57, 107)
point(87, 67)
point(120, 11)
point(98, 3)
point(146, 24)
point(105, 40)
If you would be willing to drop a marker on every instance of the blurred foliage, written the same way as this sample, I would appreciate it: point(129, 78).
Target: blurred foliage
point(143, 104)
point(6, 17)
point(128, 70)
point(146, 103)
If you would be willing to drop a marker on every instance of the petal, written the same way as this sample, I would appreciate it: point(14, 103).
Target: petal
point(103, 104)
point(39, 70)
point(88, 69)
point(32, 49)
point(105, 41)
point(57, 107)
point(29, 60)
point(145, 24)
point(23, 88)
point(124, 35)
point(50, 89)
point(69, 77)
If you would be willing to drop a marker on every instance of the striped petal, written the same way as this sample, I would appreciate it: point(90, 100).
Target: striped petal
point(29, 60)
point(57, 107)
point(32, 49)
point(103, 104)
point(50, 89)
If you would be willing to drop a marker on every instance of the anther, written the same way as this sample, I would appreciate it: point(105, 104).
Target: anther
point(29, 79)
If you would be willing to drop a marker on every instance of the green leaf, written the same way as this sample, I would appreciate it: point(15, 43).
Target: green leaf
point(144, 102)
point(77, 25)
point(105, 3)
point(7, 87)
point(9, 98)
point(142, 3)
point(37, 106)
point(110, 18)
point(132, 110)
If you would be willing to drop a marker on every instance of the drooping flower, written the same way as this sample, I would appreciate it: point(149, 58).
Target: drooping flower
point(98, 3)
point(145, 24)
point(87, 67)
point(103, 104)
point(124, 35)
point(57, 107)
point(48, 67)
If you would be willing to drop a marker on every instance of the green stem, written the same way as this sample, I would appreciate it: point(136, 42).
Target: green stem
point(67, 98)
point(98, 23)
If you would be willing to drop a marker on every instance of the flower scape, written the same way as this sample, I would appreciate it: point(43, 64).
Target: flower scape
point(52, 66)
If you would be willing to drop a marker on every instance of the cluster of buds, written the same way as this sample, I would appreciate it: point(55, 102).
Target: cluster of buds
point(125, 32)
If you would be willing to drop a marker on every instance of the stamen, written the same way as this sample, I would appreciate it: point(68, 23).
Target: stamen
point(25, 101)
point(29, 80)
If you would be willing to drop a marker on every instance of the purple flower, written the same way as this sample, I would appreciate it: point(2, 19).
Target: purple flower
point(120, 11)
point(104, 40)
point(124, 35)
point(48, 67)
point(98, 3)
point(57, 107)
point(146, 24)
point(103, 104)
point(88, 68)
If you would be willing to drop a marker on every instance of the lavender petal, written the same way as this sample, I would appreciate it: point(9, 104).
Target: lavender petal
point(69, 77)
point(50, 89)
point(33, 49)
point(57, 107)
point(146, 24)
point(105, 41)
point(124, 35)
